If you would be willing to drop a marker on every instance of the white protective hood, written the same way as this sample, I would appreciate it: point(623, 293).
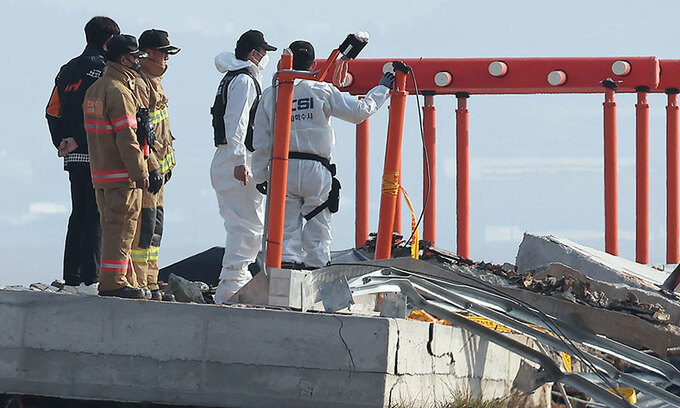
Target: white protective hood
point(227, 61)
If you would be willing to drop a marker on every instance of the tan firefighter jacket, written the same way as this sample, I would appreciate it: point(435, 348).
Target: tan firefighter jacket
point(158, 105)
point(110, 109)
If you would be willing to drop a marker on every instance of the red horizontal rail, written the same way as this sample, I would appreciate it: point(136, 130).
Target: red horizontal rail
point(670, 75)
point(521, 76)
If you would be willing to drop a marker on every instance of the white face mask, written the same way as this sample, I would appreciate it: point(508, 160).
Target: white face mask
point(263, 62)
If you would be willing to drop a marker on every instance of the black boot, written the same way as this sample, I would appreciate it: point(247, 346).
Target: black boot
point(156, 295)
point(124, 292)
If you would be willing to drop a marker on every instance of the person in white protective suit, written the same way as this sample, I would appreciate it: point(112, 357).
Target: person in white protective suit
point(240, 204)
point(307, 230)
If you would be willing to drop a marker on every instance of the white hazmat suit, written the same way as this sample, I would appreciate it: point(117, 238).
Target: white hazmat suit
point(240, 205)
point(309, 182)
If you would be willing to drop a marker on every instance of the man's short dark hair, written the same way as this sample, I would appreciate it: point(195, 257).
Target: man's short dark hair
point(242, 52)
point(99, 29)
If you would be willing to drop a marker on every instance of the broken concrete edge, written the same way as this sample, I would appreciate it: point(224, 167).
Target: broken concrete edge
point(80, 304)
point(60, 344)
point(536, 250)
point(613, 291)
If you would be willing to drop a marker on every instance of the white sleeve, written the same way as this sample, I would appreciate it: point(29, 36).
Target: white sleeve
point(354, 110)
point(263, 137)
point(240, 97)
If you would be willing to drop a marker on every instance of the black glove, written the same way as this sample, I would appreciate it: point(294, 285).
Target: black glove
point(155, 182)
point(387, 80)
point(146, 130)
point(262, 187)
point(167, 176)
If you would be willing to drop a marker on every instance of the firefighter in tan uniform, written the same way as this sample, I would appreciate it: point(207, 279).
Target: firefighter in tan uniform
point(119, 169)
point(156, 44)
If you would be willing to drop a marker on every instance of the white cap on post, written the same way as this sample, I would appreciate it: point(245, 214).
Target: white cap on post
point(557, 78)
point(443, 78)
point(498, 68)
point(621, 68)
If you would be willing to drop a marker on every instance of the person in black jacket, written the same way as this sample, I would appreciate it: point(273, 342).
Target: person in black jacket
point(82, 252)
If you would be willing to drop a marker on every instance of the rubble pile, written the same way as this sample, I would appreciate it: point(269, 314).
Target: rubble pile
point(564, 287)
point(177, 289)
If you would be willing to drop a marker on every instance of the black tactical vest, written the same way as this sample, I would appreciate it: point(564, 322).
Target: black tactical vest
point(220, 106)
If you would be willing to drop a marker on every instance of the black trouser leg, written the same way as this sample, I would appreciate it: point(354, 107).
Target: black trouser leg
point(91, 249)
point(82, 255)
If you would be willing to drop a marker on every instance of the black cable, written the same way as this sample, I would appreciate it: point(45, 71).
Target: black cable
point(427, 162)
point(535, 311)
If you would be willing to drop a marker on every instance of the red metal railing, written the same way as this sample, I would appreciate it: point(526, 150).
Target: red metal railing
point(478, 76)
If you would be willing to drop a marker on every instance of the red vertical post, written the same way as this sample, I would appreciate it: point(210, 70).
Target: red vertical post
point(430, 168)
point(362, 191)
point(642, 176)
point(390, 180)
point(611, 224)
point(672, 195)
point(462, 176)
point(279, 166)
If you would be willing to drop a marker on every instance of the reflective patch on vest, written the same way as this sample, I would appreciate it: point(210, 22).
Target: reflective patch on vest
point(153, 254)
point(160, 115)
point(94, 106)
point(167, 162)
point(139, 255)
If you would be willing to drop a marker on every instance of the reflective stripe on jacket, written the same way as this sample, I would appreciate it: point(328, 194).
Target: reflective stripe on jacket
point(110, 109)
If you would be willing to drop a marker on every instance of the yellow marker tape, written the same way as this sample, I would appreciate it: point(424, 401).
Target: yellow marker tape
point(488, 323)
point(566, 359)
point(390, 184)
point(628, 393)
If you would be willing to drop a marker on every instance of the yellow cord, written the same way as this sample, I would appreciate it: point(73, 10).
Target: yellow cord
point(390, 184)
point(415, 241)
point(391, 187)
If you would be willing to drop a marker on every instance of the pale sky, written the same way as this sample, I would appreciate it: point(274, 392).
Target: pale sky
point(536, 161)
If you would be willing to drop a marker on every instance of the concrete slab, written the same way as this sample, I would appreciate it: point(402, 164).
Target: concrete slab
point(205, 355)
point(535, 251)
point(623, 327)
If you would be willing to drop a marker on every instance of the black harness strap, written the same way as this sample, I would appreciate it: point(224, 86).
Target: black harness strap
point(334, 195)
point(310, 156)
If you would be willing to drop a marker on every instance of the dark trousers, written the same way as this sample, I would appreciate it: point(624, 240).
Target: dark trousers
point(82, 254)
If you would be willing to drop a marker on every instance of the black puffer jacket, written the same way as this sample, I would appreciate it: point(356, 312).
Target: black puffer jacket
point(65, 109)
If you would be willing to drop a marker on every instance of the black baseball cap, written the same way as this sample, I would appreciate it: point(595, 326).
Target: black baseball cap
point(122, 44)
point(157, 40)
point(303, 53)
point(253, 39)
